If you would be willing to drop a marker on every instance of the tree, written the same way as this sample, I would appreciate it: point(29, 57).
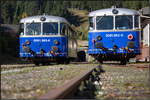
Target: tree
point(8, 10)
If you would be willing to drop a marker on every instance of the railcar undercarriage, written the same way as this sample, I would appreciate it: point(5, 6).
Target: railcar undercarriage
point(123, 58)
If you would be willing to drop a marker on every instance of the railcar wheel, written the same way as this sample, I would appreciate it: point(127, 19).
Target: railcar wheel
point(36, 63)
point(60, 62)
point(123, 62)
point(45, 63)
point(67, 61)
point(81, 56)
point(101, 61)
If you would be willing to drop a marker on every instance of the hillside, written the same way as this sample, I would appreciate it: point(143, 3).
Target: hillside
point(80, 21)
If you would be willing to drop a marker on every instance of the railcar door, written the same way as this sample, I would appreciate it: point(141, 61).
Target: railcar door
point(64, 31)
point(71, 41)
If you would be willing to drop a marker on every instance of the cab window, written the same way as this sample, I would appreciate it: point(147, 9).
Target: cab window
point(33, 28)
point(104, 22)
point(123, 22)
point(50, 28)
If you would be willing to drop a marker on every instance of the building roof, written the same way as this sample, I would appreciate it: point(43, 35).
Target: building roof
point(108, 11)
point(38, 19)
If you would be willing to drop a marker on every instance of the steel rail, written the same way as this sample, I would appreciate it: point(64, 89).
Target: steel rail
point(66, 90)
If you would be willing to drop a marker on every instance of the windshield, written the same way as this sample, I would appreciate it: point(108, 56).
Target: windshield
point(104, 22)
point(50, 28)
point(124, 22)
point(33, 29)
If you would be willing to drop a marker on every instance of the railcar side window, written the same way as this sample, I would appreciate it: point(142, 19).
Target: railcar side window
point(124, 22)
point(63, 29)
point(91, 23)
point(104, 22)
point(50, 28)
point(21, 29)
point(136, 21)
point(33, 28)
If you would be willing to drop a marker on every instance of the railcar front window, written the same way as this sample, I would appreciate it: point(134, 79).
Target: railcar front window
point(104, 22)
point(33, 29)
point(50, 28)
point(136, 21)
point(91, 23)
point(123, 22)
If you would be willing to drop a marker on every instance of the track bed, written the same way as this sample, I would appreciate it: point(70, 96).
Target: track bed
point(125, 82)
point(31, 82)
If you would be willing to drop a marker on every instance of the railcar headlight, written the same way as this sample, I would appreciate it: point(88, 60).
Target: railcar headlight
point(99, 45)
point(131, 44)
point(99, 38)
point(26, 49)
point(27, 42)
point(56, 42)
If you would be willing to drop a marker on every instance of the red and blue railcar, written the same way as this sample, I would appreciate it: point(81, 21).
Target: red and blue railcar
point(114, 34)
point(47, 38)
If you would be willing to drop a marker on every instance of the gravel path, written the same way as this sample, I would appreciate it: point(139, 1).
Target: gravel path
point(124, 82)
point(33, 81)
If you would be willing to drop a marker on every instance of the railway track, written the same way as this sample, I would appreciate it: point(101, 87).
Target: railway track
point(129, 81)
point(16, 66)
point(31, 82)
point(136, 65)
point(68, 89)
point(80, 86)
point(20, 66)
point(142, 66)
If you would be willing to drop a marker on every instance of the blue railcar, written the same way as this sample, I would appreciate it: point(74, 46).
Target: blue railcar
point(114, 34)
point(47, 38)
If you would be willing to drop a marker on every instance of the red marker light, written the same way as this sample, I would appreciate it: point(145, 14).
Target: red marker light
point(130, 50)
point(130, 36)
point(23, 44)
point(93, 40)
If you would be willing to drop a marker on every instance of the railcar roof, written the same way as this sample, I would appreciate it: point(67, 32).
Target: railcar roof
point(108, 11)
point(48, 19)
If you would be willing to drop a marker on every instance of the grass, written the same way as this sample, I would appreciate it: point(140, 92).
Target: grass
point(82, 16)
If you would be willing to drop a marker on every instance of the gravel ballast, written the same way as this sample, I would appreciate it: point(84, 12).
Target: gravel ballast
point(31, 82)
point(125, 82)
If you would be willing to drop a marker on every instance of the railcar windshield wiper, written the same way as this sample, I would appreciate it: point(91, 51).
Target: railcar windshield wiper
point(30, 23)
point(97, 21)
